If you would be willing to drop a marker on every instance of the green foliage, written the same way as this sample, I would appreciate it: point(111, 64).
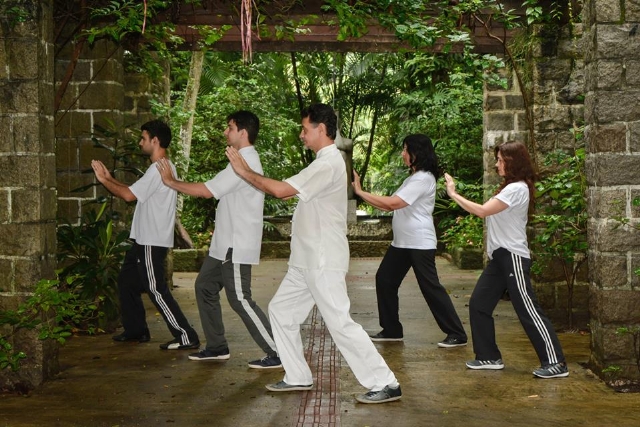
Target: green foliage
point(459, 228)
point(91, 254)
point(17, 12)
point(562, 213)
point(230, 86)
point(467, 232)
point(561, 219)
point(54, 309)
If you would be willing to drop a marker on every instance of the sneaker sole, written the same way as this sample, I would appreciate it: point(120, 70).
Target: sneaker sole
point(486, 367)
point(442, 345)
point(182, 347)
point(213, 358)
point(291, 388)
point(562, 375)
point(386, 339)
point(391, 399)
point(264, 367)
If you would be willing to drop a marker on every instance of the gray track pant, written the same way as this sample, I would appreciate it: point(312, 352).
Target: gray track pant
point(216, 275)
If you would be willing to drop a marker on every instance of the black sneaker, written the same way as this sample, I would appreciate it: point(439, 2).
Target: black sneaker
point(485, 364)
point(387, 394)
point(450, 342)
point(557, 370)
point(175, 344)
point(124, 337)
point(210, 355)
point(381, 336)
point(267, 362)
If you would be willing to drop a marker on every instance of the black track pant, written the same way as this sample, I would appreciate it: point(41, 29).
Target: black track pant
point(511, 272)
point(393, 269)
point(143, 271)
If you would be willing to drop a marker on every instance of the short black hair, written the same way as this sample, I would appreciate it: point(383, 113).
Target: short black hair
point(158, 128)
point(322, 113)
point(248, 121)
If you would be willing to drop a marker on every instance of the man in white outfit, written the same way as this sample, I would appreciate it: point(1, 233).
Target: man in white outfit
point(235, 247)
point(318, 264)
point(152, 235)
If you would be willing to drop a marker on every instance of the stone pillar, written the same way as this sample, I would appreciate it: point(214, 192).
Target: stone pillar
point(558, 107)
point(612, 116)
point(28, 180)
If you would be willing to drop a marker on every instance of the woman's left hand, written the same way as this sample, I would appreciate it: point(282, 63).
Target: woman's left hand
point(357, 188)
point(451, 185)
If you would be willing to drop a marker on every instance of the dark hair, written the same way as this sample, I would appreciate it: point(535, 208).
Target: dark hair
point(248, 121)
point(322, 113)
point(421, 153)
point(517, 166)
point(158, 128)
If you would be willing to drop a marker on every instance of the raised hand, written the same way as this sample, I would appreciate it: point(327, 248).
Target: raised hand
point(357, 187)
point(166, 173)
point(237, 162)
point(451, 184)
point(101, 171)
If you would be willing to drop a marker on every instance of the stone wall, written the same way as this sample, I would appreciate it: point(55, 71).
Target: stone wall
point(93, 99)
point(612, 116)
point(28, 180)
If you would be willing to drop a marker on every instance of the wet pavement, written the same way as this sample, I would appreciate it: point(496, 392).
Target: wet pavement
point(104, 383)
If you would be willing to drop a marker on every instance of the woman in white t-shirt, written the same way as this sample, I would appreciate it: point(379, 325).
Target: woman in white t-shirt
point(508, 268)
point(413, 246)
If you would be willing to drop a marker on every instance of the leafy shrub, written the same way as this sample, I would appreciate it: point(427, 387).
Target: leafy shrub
point(460, 229)
point(55, 309)
point(91, 254)
point(561, 220)
point(467, 232)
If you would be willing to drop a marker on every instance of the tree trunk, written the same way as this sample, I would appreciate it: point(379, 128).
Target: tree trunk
point(189, 104)
point(183, 240)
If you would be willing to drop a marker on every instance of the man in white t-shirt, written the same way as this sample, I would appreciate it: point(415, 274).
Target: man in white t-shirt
point(318, 264)
point(235, 247)
point(152, 235)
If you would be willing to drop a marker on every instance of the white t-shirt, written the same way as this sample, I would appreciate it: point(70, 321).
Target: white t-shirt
point(413, 225)
point(319, 229)
point(155, 214)
point(239, 213)
point(508, 229)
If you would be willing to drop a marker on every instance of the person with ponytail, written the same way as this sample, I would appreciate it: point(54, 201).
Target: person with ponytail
point(413, 246)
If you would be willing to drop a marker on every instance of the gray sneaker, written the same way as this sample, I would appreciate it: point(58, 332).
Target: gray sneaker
point(485, 364)
point(557, 370)
point(282, 386)
point(387, 394)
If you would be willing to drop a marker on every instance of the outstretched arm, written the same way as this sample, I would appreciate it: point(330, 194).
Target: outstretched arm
point(279, 189)
point(491, 207)
point(196, 189)
point(114, 186)
point(385, 203)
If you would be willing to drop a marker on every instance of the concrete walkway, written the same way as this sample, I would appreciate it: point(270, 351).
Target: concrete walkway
point(104, 383)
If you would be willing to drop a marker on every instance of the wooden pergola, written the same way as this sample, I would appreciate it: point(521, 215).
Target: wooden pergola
point(318, 30)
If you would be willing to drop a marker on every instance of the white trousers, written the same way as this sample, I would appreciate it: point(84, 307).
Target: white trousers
point(299, 291)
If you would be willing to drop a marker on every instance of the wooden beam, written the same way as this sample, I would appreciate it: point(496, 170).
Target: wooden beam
point(315, 29)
